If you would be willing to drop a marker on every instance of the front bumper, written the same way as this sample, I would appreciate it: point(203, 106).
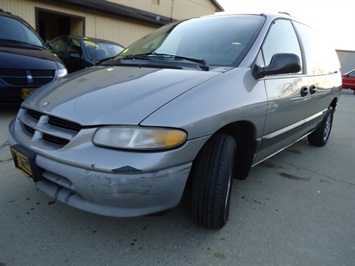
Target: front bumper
point(116, 195)
point(112, 192)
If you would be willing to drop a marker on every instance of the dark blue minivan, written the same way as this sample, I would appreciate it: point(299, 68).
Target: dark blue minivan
point(26, 63)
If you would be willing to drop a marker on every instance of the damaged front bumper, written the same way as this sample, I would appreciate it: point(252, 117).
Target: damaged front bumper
point(115, 195)
point(117, 184)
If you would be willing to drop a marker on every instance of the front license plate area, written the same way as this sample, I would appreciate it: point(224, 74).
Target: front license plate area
point(25, 162)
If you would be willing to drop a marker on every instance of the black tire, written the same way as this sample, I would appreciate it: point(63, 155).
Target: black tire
point(321, 135)
point(211, 182)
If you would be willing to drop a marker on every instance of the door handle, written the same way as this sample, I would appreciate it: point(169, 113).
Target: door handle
point(304, 91)
point(313, 89)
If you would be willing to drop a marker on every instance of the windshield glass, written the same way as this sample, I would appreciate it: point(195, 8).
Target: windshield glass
point(220, 40)
point(97, 50)
point(13, 30)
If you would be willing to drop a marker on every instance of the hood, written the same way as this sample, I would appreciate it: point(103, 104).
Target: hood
point(114, 95)
point(15, 58)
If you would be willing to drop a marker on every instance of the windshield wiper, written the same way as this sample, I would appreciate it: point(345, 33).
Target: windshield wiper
point(105, 59)
point(201, 61)
point(22, 43)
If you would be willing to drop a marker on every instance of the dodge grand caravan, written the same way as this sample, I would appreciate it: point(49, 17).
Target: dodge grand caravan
point(195, 103)
point(26, 63)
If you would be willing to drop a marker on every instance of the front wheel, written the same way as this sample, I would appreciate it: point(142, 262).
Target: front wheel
point(321, 135)
point(211, 182)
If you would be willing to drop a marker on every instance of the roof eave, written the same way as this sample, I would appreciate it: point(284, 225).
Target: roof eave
point(118, 10)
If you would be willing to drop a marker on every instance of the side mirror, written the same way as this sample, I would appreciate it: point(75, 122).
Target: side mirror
point(49, 44)
point(280, 64)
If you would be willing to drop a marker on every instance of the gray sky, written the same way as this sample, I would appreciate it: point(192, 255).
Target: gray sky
point(335, 18)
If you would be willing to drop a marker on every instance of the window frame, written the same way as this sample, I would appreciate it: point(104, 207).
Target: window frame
point(261, 55)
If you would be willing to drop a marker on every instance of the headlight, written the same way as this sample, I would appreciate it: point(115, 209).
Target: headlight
point(139, 138)
point(61, 72)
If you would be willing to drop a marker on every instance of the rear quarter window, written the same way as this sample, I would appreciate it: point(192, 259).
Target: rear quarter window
point(320, 57)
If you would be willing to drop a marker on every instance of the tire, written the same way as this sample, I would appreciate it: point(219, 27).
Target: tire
point(211, 182)
point(321, 135)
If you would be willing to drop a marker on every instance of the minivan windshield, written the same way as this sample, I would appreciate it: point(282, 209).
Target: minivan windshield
point(13, 31)
point(219, 40)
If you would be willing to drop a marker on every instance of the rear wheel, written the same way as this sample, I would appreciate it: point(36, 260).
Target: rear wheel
point(321, 135)
point(211, 182)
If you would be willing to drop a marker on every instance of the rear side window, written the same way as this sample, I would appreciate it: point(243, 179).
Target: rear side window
point(320, 57)
point(351, 74)
point(281, 38)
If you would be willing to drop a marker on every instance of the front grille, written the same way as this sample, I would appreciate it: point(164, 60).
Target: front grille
point(58, 122)
point(55, 140)
point(27, 77)
point(36, 115)
point(51, 130)
point(29, 129)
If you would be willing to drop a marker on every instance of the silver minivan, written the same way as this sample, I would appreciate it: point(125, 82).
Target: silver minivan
point(194, 104)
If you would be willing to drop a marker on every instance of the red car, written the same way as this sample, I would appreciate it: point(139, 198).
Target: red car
point(349, 80)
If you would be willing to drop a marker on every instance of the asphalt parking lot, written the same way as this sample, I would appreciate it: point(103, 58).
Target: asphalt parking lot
point(297, 208)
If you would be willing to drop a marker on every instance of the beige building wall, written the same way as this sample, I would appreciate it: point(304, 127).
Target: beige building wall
point(97, 25)
point(109, 27)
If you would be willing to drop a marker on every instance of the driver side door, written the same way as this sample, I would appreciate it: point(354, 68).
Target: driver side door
point(287, 105)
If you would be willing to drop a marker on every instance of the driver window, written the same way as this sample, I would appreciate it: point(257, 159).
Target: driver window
point(281, 39)
point(74, 48)
point(59, 46)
